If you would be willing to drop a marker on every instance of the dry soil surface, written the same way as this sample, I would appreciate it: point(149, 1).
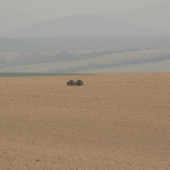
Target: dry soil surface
point(113, 122)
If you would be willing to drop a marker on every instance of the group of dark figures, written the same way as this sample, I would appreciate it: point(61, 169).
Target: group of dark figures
point(76, 83)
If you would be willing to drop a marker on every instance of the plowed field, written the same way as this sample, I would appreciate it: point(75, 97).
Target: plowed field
point(113, 121)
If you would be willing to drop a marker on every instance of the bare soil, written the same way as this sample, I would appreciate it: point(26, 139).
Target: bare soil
point(113, 122)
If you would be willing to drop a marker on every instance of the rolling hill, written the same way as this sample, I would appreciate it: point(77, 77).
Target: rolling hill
point(138, 61)
point(83, 25)
point(156, 15)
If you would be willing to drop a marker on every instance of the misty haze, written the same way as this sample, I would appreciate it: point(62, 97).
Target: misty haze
point(118, 118)
point(86, 42)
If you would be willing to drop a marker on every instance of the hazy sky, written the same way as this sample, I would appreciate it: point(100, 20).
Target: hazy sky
point(56, 8)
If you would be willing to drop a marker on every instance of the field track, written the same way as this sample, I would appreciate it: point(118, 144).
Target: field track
point(113, 122)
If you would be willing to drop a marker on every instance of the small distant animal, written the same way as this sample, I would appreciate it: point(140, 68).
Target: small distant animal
point(76, 83)
point(70, 82)
point(79, 83)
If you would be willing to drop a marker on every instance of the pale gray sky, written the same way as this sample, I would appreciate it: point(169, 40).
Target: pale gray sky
point(52, 9)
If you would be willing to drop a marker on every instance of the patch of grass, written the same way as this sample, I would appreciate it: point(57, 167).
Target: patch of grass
point(35, 74)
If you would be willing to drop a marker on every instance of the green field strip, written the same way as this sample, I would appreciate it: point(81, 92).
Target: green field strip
point(37, 74)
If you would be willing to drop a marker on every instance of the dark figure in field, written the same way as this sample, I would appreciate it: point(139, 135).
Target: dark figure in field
point(75, 83)
point(71, 83)
point(79, 83)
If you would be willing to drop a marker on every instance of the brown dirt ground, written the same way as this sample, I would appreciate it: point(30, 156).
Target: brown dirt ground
point(114, 122)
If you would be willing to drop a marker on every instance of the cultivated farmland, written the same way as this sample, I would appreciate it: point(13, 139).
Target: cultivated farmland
point(114, 121)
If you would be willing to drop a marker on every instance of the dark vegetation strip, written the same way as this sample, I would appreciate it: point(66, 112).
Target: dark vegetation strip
point(80, 43)
point(37, 74)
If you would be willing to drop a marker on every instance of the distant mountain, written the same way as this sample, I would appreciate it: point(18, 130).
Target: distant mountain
point(109, 14)
point(13, 19)
point(13, 45)
point(84, 43)
point(157, 15)
point(83, 25)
